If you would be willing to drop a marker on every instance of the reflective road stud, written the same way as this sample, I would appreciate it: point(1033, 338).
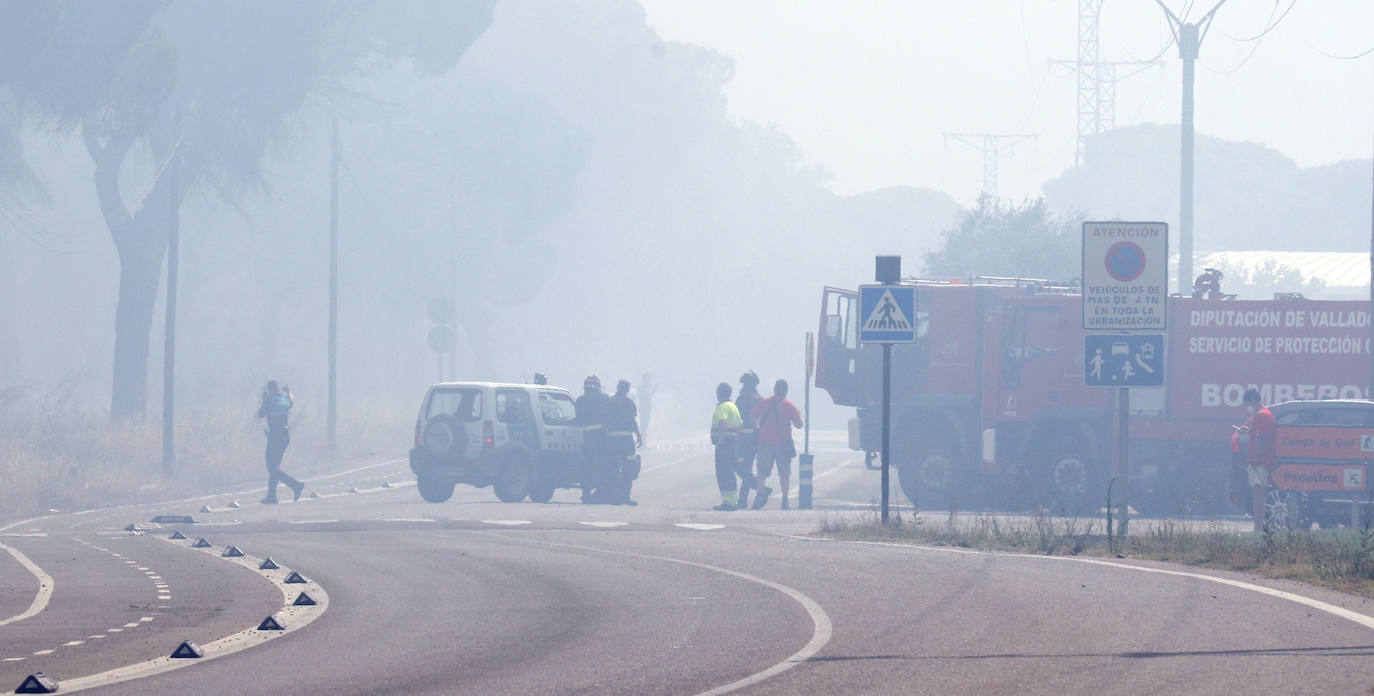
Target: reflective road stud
point(188, 649)
point(270, 624)
point(294, 579)
point(37, 683)
point(304, 600)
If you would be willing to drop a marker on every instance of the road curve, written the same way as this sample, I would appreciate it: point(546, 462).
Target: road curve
point(475, 596)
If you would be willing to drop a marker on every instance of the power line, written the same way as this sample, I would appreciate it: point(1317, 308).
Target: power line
point(1258, 39)
point(1268, 24)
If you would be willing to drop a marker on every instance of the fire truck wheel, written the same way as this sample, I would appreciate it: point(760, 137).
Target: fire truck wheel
point(1071, 478)
point(927, 476)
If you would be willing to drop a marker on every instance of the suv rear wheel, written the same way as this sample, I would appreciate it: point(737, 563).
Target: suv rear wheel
point(434, 490)
point(514, 479)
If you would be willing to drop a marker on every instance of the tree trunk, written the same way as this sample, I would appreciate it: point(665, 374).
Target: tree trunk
point(140, 276)
point(141, 240)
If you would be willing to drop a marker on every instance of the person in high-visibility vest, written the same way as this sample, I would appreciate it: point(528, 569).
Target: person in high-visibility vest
point(725, 428)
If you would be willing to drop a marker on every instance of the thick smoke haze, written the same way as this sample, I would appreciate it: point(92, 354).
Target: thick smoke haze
point(577, 184)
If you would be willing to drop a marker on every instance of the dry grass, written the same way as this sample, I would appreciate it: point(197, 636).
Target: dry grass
point(54, 456)
point(1342, 559)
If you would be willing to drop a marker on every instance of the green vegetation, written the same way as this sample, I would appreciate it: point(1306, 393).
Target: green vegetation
point(1341, 559)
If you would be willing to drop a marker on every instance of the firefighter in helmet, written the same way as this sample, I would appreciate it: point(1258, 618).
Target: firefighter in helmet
point(591, 416)
point(747, 445)
point(622, 438)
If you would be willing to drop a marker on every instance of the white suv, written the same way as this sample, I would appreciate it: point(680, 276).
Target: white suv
point(520, 439)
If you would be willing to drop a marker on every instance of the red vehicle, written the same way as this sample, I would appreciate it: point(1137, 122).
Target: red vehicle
point(990, 408)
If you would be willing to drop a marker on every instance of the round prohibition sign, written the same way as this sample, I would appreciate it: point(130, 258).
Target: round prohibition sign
point(1125, 261)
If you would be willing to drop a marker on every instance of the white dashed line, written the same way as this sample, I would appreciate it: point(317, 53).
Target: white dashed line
point(408, 519)
point(508, 523)
point(605, 525)
point(698, 526)
point(12, 659)
point(70, 643)
point(45, 652)
point(113, 630)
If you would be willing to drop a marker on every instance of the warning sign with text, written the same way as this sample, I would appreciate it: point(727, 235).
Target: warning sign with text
point(1285, 350)
point(1125, 275)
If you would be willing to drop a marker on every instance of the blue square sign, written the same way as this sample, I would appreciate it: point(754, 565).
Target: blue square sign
point(887, 313)
point(1123, 360)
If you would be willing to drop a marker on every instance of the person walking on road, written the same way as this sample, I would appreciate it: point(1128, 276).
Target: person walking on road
point(622, 438)
point(591, 415)
point(776, 417)
point(1259, 456)
point(725, 427)
point(748, 436)
point(276, 407)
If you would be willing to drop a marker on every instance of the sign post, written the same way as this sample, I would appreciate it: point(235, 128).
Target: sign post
point(806, 461)
point(888, 315)
point(1125, 288)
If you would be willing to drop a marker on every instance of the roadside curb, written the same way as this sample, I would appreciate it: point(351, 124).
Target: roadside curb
point(292, 616)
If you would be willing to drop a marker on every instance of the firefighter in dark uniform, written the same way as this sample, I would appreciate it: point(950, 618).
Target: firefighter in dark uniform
point(622, 438)
point(591, 415)
point(747, 445)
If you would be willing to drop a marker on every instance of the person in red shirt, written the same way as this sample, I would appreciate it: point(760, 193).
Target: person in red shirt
point(1259, 457)
point(776, 416)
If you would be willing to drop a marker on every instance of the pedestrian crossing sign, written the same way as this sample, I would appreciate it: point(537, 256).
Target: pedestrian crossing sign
point(887, 313)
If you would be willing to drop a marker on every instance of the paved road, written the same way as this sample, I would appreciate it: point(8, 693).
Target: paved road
point(481, 597)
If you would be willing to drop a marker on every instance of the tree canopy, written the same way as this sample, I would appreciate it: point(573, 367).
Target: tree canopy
point(1003, 239)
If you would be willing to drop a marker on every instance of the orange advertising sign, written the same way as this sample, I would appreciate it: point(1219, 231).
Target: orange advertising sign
point(1324, 443)
point(1320, 477)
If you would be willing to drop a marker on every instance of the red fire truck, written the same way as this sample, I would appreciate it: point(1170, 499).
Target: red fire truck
point(989, 406)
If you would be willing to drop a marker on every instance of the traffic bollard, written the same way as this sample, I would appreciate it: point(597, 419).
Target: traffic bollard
point(804, 464)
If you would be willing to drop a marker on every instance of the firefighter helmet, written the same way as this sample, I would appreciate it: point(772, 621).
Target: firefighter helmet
point(749, 378)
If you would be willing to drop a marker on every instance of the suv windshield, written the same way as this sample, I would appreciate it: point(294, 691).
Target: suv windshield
point(463, 404)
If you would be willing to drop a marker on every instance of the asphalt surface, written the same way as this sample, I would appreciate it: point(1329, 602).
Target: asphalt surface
point(474, 596)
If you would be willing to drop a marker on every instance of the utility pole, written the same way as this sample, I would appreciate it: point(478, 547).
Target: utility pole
point(331, 421)
point(1189, 36)
point(991, 145)
point(169, 325)
point(1096, 79)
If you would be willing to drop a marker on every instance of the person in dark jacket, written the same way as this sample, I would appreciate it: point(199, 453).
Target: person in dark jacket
point(276, 408)
point(622, 438)
point(747, 445)
point(591, 415)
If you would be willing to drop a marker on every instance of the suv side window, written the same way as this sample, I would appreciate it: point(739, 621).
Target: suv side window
point(463, 404)
point(557, 407)
point(513, 406)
